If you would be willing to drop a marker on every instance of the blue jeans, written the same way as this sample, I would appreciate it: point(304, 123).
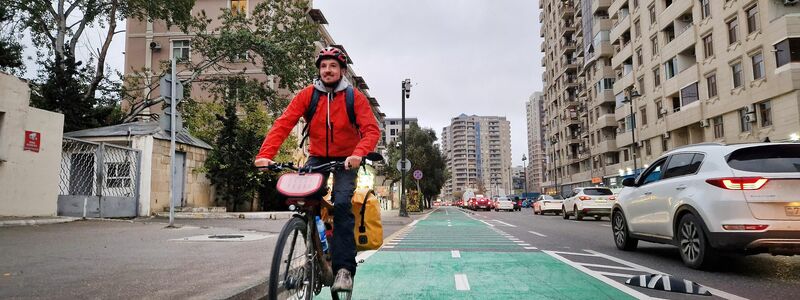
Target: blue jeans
point(343, 244)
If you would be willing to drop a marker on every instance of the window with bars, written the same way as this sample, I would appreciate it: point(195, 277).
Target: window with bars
point(643, 114)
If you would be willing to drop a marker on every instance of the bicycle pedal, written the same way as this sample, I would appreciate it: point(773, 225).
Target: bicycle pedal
point(344, 295)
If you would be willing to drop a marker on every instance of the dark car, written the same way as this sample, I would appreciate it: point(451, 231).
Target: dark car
point(517, 204)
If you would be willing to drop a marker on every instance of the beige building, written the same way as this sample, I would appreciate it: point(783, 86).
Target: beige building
point(535, 173)
point(30, 152)
point(392, 128)
point(655, 75)
point(478, 154)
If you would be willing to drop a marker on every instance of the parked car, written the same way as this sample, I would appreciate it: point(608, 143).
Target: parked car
point(588, 201)
point(547, 204)
point(517, 204)
point(712, 198)
point(482, 203)
point(503, 203)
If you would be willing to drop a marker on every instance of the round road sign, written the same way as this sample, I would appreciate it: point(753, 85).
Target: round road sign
point(418, 174)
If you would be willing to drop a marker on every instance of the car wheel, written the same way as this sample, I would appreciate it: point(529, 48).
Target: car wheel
point(564, 213)
point(557, 213)
point(622, 237)
point(696, 251)
point(598, 218)
point(578, 214)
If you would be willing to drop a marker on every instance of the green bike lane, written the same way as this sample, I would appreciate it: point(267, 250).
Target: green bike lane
point(450, 255)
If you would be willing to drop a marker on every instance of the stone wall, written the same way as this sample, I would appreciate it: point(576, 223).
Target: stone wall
point(198, 191)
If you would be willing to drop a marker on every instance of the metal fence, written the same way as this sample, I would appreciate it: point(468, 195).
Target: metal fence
point(98, 180)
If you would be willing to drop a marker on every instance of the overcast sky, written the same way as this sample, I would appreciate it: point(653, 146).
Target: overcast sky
point(464, 56)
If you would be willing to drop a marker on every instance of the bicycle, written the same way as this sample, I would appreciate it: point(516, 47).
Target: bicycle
point(297, 273)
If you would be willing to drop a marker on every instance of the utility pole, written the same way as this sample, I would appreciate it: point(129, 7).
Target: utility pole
point(631, 95)
point(524, 177)
point(406, 93)
point(171, 90)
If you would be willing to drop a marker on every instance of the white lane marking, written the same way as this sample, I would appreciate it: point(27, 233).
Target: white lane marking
point(487, 223)
point(364, 255)
point(504, 223)
point(689, 286)
point(448, 225)
point(575, 221)
point(462, 283)
point(455, 253)
point(413, 223)
point(387, 247)
point(713, 291)
point(524, 244)
point(536, 233)
point(572, 253)
point(666, 282)
point(531, 248)
point(606, 225)
point(609, 267)
point(616, 274)
point(636, 294)
point(446, 212)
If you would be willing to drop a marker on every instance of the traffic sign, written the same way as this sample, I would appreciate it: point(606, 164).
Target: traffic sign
point(418, 174)
point(165, 88)
point(401, 166)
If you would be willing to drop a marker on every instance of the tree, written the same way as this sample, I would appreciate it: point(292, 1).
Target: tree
point(10, 49)
point(424, 155)
point(277, 35)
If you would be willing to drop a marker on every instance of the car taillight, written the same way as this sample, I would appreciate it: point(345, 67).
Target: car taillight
point(745, 227)
point(738, 183)
point(585, 198)
point(612, 198)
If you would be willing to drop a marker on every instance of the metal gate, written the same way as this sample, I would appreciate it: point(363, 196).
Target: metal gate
point(98, 180)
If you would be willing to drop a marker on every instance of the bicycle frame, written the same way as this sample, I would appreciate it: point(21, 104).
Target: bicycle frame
point(309, 212)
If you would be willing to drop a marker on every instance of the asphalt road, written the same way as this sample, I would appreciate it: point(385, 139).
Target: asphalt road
point(754, 277)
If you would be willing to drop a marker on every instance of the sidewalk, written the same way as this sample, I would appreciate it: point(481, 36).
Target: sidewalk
point(141, 258)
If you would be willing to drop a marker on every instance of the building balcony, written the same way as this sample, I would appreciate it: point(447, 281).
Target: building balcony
point(604, 49)
point(567, 29)
point(605, 96)
point(615, 6)
point(620, 27)
point(688, 115)
point(607, 120)
point(624, 82)
point(674, 11)
point(600, 4)
point(568, 47)
point(624, 139)
point(624, 54)
point(679, 81)
point(682, 41)
point(567, 10)
point(605, 147)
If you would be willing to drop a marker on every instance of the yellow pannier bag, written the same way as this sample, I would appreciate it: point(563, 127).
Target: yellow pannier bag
point(367, 211)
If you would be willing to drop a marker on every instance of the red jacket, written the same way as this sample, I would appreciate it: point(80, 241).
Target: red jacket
point(343, 139)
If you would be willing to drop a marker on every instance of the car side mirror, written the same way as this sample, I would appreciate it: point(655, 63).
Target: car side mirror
point(373, 156)
point(629, 182)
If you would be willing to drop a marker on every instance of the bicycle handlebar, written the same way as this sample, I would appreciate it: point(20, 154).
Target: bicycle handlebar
point(330, 166)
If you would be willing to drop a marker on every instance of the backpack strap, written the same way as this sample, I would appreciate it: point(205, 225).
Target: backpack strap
point(312, 108)
point(363, 228)
point(350, 101)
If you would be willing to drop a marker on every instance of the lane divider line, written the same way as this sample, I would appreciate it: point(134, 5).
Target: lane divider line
point(536, 233)
point(531, 248)
point(361, 257)
point(524, 244)
point(504, 223)
point(462, 283)
point(487, 223)
point(616, 274)
point(610, 267)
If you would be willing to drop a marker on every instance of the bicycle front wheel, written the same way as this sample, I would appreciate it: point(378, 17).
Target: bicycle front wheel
point(292, 271)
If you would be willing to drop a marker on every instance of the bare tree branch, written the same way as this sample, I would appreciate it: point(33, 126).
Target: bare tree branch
point(101, 57)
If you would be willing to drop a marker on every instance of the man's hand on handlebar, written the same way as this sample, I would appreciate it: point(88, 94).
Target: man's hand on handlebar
point(263, 162)
point(352, 162)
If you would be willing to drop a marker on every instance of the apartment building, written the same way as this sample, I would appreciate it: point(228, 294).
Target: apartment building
point(681, 72)
point(478, 153)
point(148, 44)
point(392, 128)
point(535, 168)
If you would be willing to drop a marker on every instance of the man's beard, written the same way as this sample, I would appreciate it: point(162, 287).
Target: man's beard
point(332, 85)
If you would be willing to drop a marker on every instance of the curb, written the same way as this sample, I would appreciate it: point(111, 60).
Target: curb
point(256, 291)
point(31, 222)
point(280, 215)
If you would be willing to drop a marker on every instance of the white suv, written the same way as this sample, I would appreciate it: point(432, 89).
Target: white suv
point(588, 201)
point(710, 197)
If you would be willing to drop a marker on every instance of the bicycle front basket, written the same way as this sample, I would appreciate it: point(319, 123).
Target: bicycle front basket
point(296, 185)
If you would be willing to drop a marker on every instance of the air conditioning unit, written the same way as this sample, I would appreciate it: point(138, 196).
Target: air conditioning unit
point(665, 135)
point(790, 2)
point(704, 123)
point(663, 111)
point(155, 46)
point(640, 144)
point(749, 108)
point(751, 118)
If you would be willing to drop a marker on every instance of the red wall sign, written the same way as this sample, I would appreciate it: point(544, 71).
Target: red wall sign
point(32, 141)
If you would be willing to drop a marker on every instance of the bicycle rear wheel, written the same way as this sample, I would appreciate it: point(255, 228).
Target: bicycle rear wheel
point(292, 271)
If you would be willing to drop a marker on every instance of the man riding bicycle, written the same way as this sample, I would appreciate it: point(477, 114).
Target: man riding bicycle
point(332, 137)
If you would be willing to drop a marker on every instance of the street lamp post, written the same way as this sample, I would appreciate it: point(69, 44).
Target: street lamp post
point(524, 177)
point(632, 94)
point(406, 93)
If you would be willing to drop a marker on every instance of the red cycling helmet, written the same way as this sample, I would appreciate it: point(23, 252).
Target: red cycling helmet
point(334, 53)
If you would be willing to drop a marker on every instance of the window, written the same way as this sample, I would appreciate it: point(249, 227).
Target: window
point(752, 19)
point(766, 159)
point(670, 68)
point(393, 131)
point(597, 192)
point(654, 44)
point(758, 65)
point(118, 174)
point(652, 10)
point(765, 112)
point(656, 77)
point(719, 127)
point(705, 8)
point(736, 73)
point(639, 57)
point(641, 84)
point(635, 4)
point(637, 29)
point(643, 114)
point(392, 122)
point(180, 50)
point(711, 82)
point(238, 6)
point(733, 30)
point(682, 164)
point(648, 150)
point(689, 94)
point(659, 108)
point(664, 144)
point(787, 51)
point(653, 173)
point(744, 121)
point(708, 45)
